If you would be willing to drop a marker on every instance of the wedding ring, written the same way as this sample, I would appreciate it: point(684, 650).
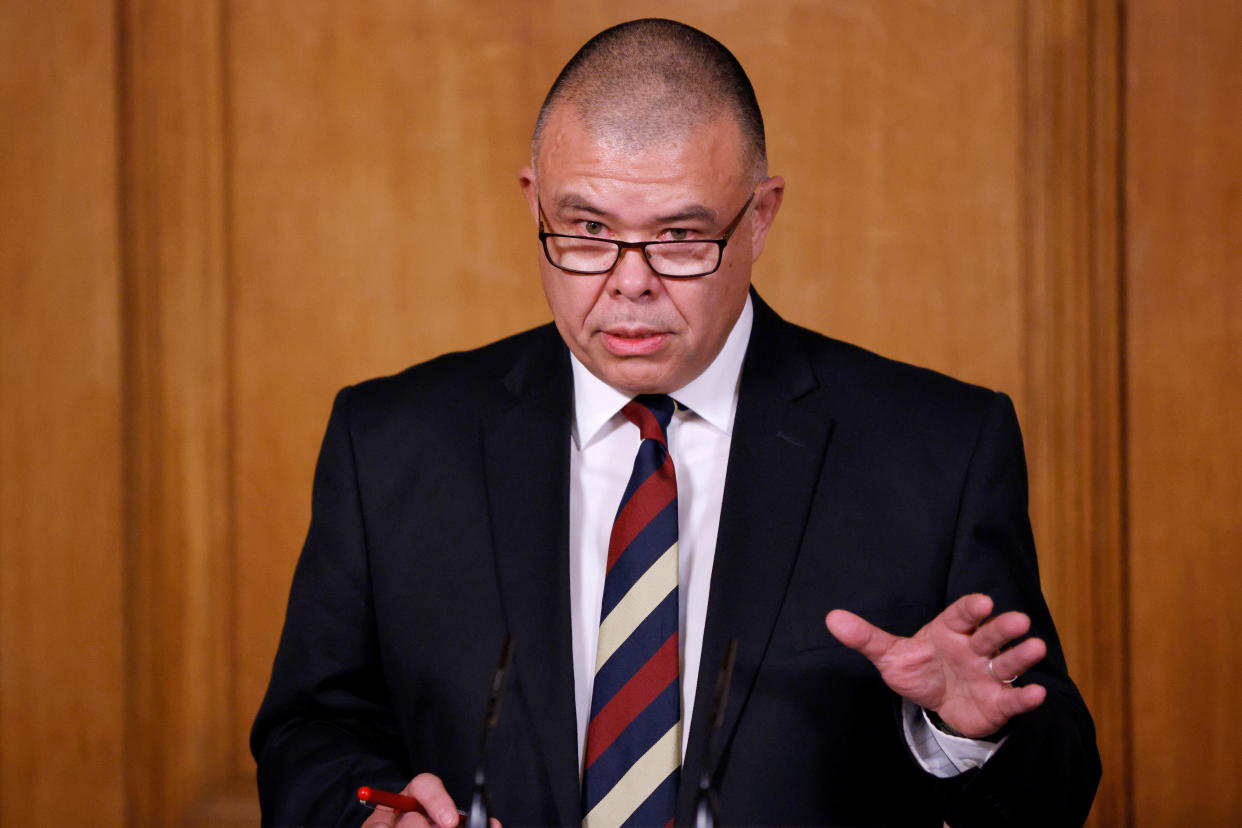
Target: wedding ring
point(998, 678)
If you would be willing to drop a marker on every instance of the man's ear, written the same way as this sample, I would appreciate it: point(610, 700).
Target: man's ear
point(530, 189)
point(768, 198)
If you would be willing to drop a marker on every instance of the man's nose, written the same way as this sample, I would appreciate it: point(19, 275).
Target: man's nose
point(632, 277)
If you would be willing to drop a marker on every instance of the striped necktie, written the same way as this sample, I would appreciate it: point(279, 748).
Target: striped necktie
point(633, 745)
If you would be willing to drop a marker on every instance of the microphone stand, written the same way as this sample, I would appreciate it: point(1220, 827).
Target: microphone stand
point(480, 806)
point(706, 809)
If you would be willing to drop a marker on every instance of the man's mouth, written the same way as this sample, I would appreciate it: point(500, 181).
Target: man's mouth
point(633, 341)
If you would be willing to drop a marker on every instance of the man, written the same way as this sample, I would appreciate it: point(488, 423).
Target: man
point(765, 476)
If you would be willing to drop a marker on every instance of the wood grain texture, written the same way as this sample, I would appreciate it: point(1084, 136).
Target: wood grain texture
point(897, 127)
point(61, 658)
point(179, 614)
point(1072, 347)
point(1183, 156)
point(313, 192)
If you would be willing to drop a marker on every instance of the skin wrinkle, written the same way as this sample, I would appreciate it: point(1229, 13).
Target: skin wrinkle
point(691, 212)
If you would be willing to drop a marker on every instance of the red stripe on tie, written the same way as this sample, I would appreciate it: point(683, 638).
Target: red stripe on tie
point(650, 681)
point(655, 493)
point(642, 416)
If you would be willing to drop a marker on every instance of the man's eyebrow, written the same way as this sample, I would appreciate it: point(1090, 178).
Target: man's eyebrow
point(570, 201)
point(691, 212)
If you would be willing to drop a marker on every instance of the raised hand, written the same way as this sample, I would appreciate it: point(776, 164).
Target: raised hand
point(954, 665)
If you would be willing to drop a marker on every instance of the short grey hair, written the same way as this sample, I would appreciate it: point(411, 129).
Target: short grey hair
point(648, 80)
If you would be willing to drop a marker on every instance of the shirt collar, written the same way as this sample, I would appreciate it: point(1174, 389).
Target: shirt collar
point(711, 395)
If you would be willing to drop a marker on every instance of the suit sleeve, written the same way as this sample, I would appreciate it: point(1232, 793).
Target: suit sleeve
point(1048, 768)
point(326, 725)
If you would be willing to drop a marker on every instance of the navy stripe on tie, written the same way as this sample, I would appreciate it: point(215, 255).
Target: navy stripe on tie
point(648, 461)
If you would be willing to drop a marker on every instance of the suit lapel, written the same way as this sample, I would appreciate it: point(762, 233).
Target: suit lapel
point(526, 450)
point(775, 460)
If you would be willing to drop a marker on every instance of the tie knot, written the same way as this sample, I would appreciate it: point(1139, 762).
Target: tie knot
point(651, 413)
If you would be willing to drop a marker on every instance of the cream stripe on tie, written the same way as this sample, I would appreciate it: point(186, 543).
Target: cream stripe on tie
point(646, 594)
point(639, 781)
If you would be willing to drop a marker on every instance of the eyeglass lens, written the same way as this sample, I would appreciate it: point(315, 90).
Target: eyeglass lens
point(667, 259)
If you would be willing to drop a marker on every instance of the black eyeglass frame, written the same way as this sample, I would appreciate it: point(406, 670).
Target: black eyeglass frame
point(622, 246)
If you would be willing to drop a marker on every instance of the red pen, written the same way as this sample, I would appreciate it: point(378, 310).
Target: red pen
point(401, 803)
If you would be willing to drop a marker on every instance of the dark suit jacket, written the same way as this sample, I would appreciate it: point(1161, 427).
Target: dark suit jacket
point(440, 523)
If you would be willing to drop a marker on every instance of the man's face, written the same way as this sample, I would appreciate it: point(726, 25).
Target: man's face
point(635, 330)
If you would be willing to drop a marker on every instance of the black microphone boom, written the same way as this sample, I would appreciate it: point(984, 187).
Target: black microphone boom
point(706, 809)
point(480, 806)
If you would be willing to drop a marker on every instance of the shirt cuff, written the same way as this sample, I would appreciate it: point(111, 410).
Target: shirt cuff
point(940, 753)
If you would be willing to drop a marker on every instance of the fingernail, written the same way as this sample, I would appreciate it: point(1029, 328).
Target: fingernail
point(447, 818)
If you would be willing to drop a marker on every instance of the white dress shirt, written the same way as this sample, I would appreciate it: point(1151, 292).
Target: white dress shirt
point(602, 453)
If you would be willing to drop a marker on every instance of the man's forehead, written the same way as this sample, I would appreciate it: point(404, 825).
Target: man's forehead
point(662, 208)
point(707, 153)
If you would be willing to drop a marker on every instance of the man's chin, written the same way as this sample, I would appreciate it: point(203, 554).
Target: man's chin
point(637, 374)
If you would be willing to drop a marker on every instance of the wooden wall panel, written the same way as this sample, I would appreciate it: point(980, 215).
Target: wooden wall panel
point(61, 573)
point(1073, 337)
point(179, 608)
point(897, 127)
point(1183, 166)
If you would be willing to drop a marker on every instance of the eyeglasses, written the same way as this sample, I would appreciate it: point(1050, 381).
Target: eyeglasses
point(591, 256)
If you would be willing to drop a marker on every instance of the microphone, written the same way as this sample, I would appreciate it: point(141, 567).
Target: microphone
point(480, 806)
point(706, 809)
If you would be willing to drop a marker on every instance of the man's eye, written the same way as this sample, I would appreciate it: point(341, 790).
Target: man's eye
point(678, 234)
point(593, 228)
